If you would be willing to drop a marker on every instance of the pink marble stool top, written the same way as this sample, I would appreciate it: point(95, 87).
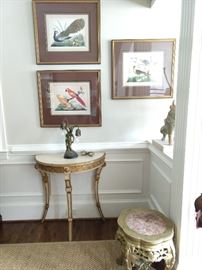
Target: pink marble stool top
point(146, 223)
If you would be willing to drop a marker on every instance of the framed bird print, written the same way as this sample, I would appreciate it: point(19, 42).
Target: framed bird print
point(67, 32)
point(71, 96)
point(143, 68)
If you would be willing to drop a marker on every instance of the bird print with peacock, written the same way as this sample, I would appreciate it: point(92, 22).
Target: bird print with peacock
point(67, 32)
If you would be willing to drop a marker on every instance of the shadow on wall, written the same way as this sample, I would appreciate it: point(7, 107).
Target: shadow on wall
point(144, 3)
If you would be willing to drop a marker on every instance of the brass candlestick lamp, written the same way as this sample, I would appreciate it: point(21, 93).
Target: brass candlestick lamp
point(69, 153)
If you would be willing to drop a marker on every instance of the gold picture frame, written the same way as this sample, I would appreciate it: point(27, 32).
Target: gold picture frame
point(142, 68)
point(66, 31)
point(73, 96)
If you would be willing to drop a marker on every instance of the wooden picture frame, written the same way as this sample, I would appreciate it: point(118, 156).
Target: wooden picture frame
point(66, 31)
point(71, 96)
point(142, 68)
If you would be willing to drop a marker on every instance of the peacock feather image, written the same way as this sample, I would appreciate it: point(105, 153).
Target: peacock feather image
point(71, 36)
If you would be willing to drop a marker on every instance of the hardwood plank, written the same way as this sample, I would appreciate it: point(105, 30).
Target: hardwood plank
point(56, 231)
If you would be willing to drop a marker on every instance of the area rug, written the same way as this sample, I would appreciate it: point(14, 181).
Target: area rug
point(85, 255)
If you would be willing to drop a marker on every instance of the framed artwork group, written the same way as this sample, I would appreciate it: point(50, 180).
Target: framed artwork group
point(68, 32)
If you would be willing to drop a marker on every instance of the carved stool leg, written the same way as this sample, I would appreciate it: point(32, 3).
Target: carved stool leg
point(68, 188)
point(122, 259)
point(130, 259)
point(97, 178)
point(171, 260)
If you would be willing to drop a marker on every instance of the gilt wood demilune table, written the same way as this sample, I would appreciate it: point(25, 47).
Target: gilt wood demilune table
point(55, 163)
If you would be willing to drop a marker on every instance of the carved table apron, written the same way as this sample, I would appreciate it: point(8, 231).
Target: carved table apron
point(55, 163)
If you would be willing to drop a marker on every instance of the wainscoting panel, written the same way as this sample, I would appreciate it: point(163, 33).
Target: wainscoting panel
point(160, 184)
point(118, 174)
point(124, 183)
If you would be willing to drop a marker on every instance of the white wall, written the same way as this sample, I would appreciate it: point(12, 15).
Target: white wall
point(123, 121)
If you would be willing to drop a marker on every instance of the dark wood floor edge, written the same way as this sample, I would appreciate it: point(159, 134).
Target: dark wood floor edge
point(54, 220)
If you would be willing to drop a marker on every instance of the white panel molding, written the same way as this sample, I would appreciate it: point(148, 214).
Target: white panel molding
point(20, 148)
point(29, 159)
point(121, 191)
point(125, 160)
point(30, 205)
point(161, 172)
point(160, 188)
point(119, 194)
point(161, 155)
point(30, 196)
point(135, 175)
point(153, 202)
point(24, 154)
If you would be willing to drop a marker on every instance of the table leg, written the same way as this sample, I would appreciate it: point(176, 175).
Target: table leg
point(97, 178)
point(68, 188)
point(46, 185)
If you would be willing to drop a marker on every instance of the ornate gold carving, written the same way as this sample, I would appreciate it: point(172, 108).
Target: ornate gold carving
point(78, 167)
point(67, 169)
point(46, 185)
point(137, 250)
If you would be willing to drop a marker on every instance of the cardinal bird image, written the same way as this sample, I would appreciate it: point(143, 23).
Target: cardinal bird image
point(72, 101)
point(75, 95)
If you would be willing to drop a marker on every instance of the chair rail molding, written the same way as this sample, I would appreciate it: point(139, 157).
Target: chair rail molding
point(24, 153)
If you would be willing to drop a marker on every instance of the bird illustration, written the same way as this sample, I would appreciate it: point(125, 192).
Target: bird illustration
point(76, 95)
point(74, 27)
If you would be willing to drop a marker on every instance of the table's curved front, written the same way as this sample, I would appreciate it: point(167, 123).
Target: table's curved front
point(55, 163)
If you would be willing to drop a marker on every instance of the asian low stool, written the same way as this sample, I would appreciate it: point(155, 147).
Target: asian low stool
point(146, 236)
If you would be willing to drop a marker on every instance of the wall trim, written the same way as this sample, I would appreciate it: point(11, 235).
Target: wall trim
point(156, 152)
point(84, 206)
point(161, 172)
point(78, 146)
point(24, 154)
point(154, 203)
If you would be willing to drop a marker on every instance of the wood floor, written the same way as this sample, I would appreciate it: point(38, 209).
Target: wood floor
point(56, 231)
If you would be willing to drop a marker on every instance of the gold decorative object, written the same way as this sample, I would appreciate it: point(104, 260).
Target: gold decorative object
point(169, 124)
point(47, 164)
point(146, 236)
point(69, 153)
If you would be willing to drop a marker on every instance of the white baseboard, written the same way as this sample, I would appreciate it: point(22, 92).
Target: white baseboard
point(83, 207)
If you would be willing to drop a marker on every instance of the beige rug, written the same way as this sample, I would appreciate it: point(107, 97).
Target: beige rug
point(86, 255)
